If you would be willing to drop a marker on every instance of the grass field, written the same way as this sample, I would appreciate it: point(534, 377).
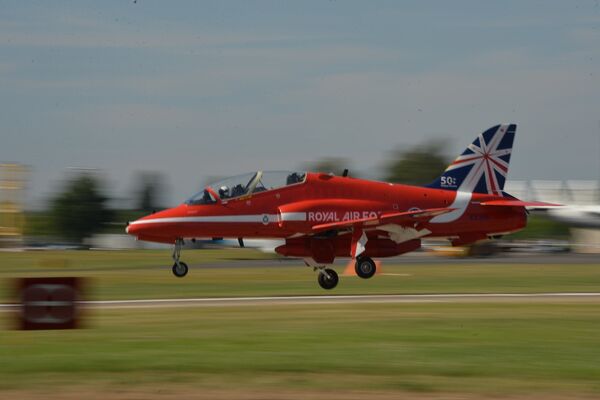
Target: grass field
point(545, 350)
point(147, 274)
point(433, 348)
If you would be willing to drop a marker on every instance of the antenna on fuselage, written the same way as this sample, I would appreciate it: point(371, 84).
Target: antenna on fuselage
point(345, 173)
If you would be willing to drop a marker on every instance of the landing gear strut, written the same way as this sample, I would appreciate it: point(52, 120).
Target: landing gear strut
point(180, 269)
point(365, 267)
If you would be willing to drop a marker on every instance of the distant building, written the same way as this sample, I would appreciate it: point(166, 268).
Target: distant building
point(12, 187)
point(571, 192)
point(581, 211)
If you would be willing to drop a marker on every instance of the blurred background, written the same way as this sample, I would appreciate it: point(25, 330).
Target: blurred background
point(81, 214)
point(131, 106)
point(111, 110)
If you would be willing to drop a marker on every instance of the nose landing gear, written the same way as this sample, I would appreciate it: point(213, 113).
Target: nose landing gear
point(328, 278)
point(180, 269)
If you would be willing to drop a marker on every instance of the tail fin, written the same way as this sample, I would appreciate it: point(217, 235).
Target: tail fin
point(483, 166)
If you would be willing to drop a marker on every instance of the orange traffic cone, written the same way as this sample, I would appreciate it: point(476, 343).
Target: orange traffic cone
point(350, 271)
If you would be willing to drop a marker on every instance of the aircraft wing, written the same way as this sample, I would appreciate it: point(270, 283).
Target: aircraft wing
point(519, 203)
point(400, 218)
point(397, 224)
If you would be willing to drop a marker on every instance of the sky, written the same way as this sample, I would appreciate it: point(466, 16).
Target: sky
point(197, 89)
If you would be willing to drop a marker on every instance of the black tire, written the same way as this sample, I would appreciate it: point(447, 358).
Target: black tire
point(180, 270)
point(365, 267)
point(328, 282)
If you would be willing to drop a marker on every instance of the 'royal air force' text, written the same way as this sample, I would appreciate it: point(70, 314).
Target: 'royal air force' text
point(334, 216)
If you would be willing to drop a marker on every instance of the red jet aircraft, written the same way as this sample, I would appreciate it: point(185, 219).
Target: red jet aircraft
point(321, 216)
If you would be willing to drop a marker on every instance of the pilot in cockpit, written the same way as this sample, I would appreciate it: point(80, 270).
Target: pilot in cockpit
point(238, 190)
point(223, 192)
point(294, 177)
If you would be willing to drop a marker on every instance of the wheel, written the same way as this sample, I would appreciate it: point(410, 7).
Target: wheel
point(365, 267)
point(330, 280)
point(180, 270)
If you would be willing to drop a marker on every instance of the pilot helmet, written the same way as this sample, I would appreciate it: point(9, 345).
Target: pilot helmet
point(223, 191)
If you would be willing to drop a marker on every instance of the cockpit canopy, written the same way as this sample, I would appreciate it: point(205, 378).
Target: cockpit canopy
point(241, 185)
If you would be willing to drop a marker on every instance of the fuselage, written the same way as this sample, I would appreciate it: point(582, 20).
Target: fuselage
point(321, 217)
point(293, 210)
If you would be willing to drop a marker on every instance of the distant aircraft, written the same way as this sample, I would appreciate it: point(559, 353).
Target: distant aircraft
point(321, 216)
point(578, 216)
point(578, 211)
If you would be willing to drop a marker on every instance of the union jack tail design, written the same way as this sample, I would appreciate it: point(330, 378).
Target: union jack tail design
point(483, 166)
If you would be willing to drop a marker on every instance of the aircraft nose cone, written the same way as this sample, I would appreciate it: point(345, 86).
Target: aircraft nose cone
point(152, 227)
point(132, 229)
point(139, 226)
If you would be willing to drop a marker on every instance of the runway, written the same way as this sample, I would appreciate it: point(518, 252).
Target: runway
point(341, 299)
point(421, 258)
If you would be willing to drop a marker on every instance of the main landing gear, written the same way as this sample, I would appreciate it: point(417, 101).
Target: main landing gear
point(328, 279)
point(365, 267)
point(180, 269)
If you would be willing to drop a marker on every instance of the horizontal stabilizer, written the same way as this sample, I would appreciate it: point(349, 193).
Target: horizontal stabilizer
point(520, 203)
point(400, 218)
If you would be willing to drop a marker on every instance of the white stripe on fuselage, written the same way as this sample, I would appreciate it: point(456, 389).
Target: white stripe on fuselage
point(460, 204)
point(293, 216)
point(252, 218)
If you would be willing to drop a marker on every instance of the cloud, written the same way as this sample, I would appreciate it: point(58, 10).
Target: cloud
point(204, 74)
point(86, 33)
point(198, 101)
